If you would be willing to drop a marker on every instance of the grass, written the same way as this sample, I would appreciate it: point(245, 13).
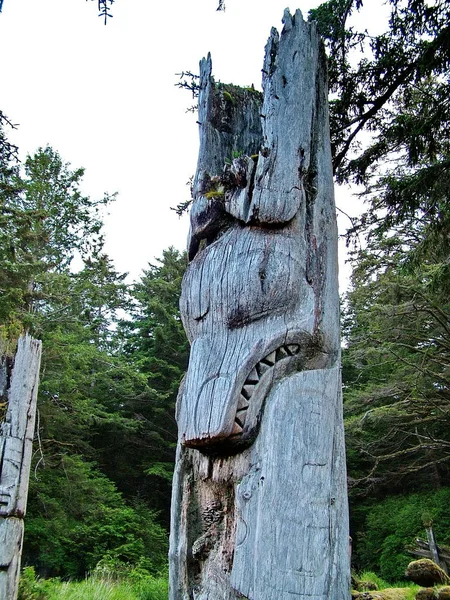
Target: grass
point(400, 593)
point(372, 578)
point(92, 588)
point(387, 591)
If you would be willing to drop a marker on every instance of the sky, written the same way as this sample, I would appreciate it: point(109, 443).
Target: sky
point(105, 98)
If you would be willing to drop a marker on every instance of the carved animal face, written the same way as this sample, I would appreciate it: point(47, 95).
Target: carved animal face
point(255, 300)
point(249, 314)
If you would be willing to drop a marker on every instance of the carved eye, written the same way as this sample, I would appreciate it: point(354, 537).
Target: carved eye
point(247, 275)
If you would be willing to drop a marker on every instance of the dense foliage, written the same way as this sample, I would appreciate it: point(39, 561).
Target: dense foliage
point(371, 76)
point(87, 501)
point(397, 364)
point(154, 345)
point(392, 524)
point(77, 518)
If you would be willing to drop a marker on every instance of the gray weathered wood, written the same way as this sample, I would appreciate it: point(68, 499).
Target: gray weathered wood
point(302, 541)
point(430, 549)
point(432, 545)
point(11, 536)
point(259, 507)
point(424, 547)
point(19, 386)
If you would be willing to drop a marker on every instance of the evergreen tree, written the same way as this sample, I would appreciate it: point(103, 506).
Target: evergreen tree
point(390, 116)
point(397, 363)
point(76, 516)
point(155, 345)
point(45, 223)
point(373, 81)
point(394, 85)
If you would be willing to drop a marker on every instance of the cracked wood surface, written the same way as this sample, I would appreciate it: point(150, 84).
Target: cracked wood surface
point(259, 412)
point(18, 387)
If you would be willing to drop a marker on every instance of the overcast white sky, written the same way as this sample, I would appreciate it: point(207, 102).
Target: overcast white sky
point(104, 98)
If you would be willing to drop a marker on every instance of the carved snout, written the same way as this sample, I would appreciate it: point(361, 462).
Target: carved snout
point(218, 407)
point(206, 402)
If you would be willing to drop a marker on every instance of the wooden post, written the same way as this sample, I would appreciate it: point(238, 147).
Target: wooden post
point(434, 548)
point(18, 389)
point(259, 506)
point(422, 550)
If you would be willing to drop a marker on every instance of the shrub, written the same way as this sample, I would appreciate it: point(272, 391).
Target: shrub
point(89, 521)
point(391, 524)
point(32, 588)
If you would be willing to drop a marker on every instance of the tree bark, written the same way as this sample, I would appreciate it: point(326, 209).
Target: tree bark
point(259, 506)
point(18, 390)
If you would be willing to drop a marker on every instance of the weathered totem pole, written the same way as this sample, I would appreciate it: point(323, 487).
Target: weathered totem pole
point(259, 506)
point(19, 376)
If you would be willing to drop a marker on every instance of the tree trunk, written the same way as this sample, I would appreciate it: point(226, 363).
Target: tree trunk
point(18, 391)
point(259, 506)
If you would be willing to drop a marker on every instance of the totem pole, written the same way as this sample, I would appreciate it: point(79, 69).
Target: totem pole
point(19, 378)
point(259, 506)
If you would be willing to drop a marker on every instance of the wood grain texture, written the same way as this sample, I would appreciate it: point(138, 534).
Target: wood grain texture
point(259, 506)
point(11, 537)
point(290, 506)
point(270, 521)
point(20, 386)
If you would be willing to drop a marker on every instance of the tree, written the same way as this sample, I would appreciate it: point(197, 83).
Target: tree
point(158, 337)
point(77, 518)
point(85, 385)
point(370, 74)
point(155, 346)
point(398, 363)
point(8, 151)
point(46, 223)
point(390, 134)
point(395, 87)
point(8, 194)
point(104, 9)
point(397, 324)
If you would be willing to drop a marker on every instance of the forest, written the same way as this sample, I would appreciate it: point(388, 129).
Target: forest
point(114, 353)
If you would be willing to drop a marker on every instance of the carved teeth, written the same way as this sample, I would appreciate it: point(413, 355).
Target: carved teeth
point(270, 358)
point(253, 377)
point(247, 390)
point(240, 417)
point(262, 367)
point(293, 349)
point(265, 364)
point(252, 381)
point(237, 429)
point(242, 403)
